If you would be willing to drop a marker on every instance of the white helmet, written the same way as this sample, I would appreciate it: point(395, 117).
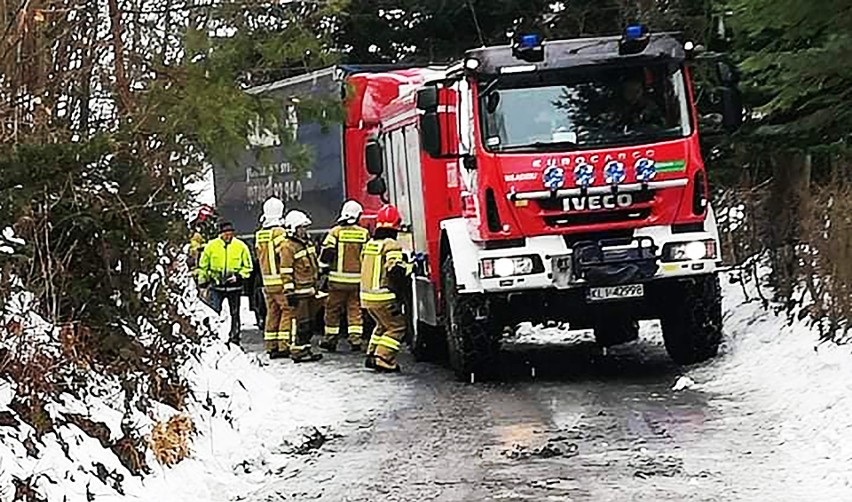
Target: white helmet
point(350, 212)
point(296, 219)
point(273, 213)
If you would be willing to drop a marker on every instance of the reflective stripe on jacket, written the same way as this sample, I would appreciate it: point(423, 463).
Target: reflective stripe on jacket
point(378, 258)
point(299, 266)
point(344, 245)
point(268, 246)
point(220, 259)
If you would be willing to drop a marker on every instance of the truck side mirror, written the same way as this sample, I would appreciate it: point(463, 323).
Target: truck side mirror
point(377, 186)
point(427, 98)
point(430, 133)
point(373, 158)
point(732, 108)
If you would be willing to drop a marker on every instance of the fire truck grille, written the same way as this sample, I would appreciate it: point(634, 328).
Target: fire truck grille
point(615, 216)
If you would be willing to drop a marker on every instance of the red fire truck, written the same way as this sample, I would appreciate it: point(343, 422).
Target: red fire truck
point(557, 180)
point(543, 180)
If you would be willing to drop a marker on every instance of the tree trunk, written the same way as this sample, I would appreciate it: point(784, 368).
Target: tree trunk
point(122, 84)
point(788, 201)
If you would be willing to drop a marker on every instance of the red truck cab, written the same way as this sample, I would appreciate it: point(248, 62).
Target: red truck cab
point(557, 180)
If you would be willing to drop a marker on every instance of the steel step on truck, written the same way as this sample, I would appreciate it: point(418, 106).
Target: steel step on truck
point(545, 180)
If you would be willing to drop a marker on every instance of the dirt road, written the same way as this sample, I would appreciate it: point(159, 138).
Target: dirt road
point(565, 423)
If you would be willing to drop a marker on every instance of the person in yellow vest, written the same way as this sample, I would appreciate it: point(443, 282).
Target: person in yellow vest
point(385, 272)
point(224, 265)
point(269, 244)
point(203, 229)
point(341, 255)
point(300, 272)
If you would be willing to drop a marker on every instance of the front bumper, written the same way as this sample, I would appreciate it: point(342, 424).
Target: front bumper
point(580, 265)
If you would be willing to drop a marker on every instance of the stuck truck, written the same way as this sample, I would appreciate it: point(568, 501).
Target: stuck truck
point(544, 180)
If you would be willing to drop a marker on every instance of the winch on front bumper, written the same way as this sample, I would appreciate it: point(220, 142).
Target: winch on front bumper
point(607, 262)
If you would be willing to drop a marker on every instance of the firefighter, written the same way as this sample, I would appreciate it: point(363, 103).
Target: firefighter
point(384, 274)
point(269, 245)
point(341, 255)
point(225, 263)
point(203, 229)
point(300, 272)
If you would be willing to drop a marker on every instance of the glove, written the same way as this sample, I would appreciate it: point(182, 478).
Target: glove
point(293, 301)
point(232, 279)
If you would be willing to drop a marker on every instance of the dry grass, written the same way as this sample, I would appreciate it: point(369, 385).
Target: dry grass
point(170, 440)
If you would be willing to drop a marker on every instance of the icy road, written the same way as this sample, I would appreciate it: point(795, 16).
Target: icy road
point(768, 420)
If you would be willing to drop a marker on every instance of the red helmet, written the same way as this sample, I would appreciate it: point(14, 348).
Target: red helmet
point(388, 217)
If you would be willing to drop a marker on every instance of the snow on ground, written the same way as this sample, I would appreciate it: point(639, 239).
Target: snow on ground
point(250, 414)
point(249, 417)
point(801, 386)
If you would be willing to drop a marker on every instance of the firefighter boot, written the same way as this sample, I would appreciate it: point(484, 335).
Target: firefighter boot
point(388, 344)
point(329, 339)
point(300, 348)
point(385, 358)
point(370, 361)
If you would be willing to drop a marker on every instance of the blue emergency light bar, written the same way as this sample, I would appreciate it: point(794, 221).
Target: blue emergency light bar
point(530, 41)
point(635, 39)
point(529, 48)
point(635, 31)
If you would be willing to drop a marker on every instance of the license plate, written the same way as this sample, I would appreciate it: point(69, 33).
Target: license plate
point(605, 293)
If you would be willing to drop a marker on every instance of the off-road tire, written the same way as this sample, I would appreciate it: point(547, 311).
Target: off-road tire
point(692, 320)
point(472, 344)
point(615, 330)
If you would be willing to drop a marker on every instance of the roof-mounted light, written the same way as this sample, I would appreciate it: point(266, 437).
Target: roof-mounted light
point(635, 39)
point(529, 41)
point(529, 47)
point(635, 31)
point(471, 64)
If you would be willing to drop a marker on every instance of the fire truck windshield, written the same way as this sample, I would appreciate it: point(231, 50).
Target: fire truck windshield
point(567, 110)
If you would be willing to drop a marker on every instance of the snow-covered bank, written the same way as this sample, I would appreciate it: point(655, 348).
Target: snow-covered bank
point(249, 416)
point(801, 386)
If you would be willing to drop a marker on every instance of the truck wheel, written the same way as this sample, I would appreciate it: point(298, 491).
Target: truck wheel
point(692, 321)
point(472, 342)
point(615, 331)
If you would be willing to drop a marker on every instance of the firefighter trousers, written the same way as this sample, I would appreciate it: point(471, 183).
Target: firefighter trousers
point(340, 300)
point(386, 340)
point(302, 326)
point(276, 333)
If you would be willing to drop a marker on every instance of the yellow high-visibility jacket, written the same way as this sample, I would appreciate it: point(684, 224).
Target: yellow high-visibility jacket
point(341, 249)
point(379, 257)
point(269, 246)
point(299, 267)
point(220, 260)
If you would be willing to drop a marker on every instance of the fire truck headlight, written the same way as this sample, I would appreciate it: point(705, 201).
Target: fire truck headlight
point(690, 251)
point(507, 267)
point(504, 267)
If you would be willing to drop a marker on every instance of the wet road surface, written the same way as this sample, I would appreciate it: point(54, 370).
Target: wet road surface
point(564, 423)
